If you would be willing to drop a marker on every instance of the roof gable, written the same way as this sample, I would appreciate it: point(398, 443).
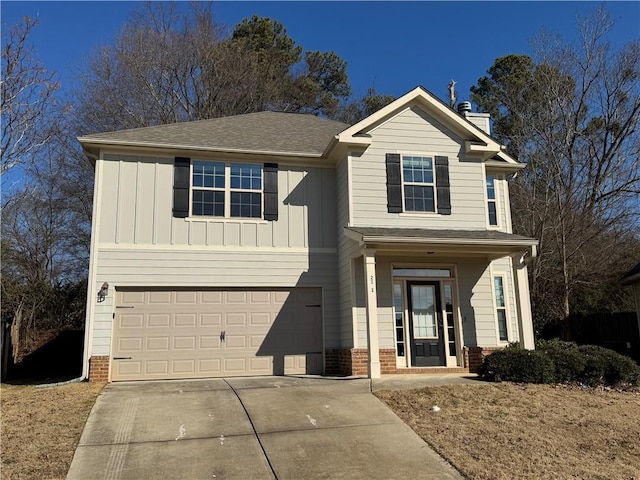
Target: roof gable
point(477, 142)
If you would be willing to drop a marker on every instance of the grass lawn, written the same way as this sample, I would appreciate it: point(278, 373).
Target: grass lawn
point(510, 431)
point(41, 427)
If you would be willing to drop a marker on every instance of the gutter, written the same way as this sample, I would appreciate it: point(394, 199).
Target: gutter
point(92, 276)
point(448, 241)
point(97, 142)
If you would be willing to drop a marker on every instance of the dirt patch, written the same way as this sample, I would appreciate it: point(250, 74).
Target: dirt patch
point(41, 428)
point(509, 431)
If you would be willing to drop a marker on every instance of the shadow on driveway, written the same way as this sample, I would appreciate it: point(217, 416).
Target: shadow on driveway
point(250, 428)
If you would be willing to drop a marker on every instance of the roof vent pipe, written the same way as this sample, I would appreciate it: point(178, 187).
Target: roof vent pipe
point(464, 107)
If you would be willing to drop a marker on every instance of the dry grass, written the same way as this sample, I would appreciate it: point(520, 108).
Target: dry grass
point(509, 431)
point(41, 428)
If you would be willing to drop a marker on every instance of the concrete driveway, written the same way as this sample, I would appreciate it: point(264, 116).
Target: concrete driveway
point(249, 428)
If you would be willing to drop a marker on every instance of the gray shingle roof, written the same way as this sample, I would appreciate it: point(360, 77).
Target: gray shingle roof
point(423, 233)
point(268, 132)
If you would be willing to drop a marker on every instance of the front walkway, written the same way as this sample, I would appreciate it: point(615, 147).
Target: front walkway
point(267, 427)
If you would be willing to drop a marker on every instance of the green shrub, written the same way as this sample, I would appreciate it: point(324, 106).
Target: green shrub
point(569, 362)
point(555, 361)
point(518, 365)
point(607, 367)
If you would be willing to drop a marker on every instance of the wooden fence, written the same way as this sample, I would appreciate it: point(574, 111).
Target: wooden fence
point(617, 331)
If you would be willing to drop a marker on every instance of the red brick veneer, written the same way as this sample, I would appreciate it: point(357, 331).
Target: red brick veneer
point(99, 369)
point(473, 356)
point(354, 361)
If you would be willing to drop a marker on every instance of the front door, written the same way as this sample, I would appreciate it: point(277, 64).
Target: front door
point(425, 324)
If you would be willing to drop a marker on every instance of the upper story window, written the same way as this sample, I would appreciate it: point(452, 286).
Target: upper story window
point(418, 183)
point(491, 200)
point(418, 178)
point(220, 189)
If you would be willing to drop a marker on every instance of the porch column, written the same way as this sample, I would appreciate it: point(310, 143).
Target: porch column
point(372, 313)
point(523, 302)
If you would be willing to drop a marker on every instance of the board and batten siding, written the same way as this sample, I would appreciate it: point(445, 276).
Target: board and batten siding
point(137, 209)
point(141, 244)
point(413, 131)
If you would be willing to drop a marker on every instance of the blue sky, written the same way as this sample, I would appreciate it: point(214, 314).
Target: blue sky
point(392, 46)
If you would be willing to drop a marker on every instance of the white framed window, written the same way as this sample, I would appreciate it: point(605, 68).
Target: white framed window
point(228, 190)
point(492, 204)
point(418, 183)
point(501, 307)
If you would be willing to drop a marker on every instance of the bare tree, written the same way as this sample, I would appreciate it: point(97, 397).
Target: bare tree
point(44, 255)
point(167, 66)
point(28, 98)
point(573, 114)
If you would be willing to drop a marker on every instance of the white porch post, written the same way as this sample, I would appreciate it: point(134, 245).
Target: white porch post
point(523, 301)
point(372, 313)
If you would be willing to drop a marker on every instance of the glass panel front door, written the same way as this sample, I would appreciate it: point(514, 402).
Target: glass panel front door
point(427, 346)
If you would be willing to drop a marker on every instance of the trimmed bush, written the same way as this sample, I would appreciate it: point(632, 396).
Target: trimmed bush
point(555, 361)
point(518, 365)
point(607, 367)
point(569, 362)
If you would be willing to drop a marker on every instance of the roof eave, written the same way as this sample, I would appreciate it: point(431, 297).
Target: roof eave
point(510, 167)
point(448, 241)
point(88, 143)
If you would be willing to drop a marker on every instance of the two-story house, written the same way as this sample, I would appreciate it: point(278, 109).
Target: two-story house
point(277, 243)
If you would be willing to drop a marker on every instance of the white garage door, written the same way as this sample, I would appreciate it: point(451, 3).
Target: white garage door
point(170, 334)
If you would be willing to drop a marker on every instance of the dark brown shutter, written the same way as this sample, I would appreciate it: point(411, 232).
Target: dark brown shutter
point(394, 183)
point(181, 174)
point(442, 185)
point(271, 191)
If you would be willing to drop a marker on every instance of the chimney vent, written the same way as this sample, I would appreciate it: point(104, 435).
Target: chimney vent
point(464, 107)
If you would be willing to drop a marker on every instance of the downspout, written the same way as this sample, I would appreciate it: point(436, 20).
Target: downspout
point(91, 279)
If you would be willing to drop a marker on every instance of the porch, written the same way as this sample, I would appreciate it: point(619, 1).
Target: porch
point(436, 301)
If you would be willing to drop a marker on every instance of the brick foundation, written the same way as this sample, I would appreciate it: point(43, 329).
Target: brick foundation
point(346, 361)
point(473, 356)
point(99, 369)
point(337, 361)
point(354, 361)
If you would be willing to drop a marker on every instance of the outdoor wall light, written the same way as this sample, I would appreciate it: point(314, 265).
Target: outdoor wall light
point(102, 293)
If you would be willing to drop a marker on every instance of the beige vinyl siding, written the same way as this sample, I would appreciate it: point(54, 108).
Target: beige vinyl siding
point(413, 131)
point(384, 286)
point(360, 308)
point(346, 249)
point(176, 268)
point(476, 303)
point(475, 286)
point(502, 211)
point(137, 209)
point(505, 200)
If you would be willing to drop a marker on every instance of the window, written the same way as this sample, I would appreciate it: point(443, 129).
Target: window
point(491, 200)
point(421, 272)
point(226, 190)
point(423, 311)
point(414, 182)
point(418, 184)
point(448, 308)
point(208, 183)
point(398, 307)
point(501, 307)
